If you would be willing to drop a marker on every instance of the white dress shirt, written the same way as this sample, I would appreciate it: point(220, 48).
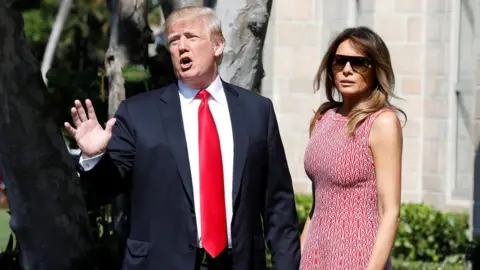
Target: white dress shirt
point(221, 114)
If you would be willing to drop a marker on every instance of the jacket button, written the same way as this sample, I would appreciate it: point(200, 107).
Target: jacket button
point(190, 247)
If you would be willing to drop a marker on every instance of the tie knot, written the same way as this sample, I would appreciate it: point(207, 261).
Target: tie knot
point(203, 94)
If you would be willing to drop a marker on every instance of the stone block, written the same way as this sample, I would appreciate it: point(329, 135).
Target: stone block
point(434, 199)
point(437, 59)
point(435, 130)
point(434, 157)
point(409, 6)
point(415, 28)
point(411, 196)
point(283, 57)
point(411, 155)
point(412, 106)
point(433, 183)
point(392, 28)
point(436, 107)
point(384, 6)
point(411, 85)
point(411, 129)
point(297, 33)
point(406, 58)
point(410, 181)
point(300, 10)
point(306, 60)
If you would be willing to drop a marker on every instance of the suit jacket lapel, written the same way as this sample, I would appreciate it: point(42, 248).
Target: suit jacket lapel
point(240, 137)
point(171, 114)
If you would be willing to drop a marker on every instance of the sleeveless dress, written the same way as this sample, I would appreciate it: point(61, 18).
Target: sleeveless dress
point(346, 216)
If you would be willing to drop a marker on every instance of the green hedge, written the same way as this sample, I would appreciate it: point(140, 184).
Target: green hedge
point(303, 203)
point(426, 238)
point(427, 234)
point(416, 265)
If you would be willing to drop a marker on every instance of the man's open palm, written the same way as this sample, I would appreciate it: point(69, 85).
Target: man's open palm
point(90, 136)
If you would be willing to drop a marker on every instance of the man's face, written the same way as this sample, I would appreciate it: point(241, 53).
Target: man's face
point(193, 52)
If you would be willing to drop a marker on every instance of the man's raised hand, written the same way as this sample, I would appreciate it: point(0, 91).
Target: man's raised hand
point(91, 137)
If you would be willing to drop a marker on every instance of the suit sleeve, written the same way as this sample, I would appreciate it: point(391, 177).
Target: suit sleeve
point(280, 216)
point(111, 175)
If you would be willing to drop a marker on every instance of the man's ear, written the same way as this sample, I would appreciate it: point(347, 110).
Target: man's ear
point(218, 47)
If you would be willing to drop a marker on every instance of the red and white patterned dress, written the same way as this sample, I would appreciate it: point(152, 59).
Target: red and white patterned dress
point(346, 216)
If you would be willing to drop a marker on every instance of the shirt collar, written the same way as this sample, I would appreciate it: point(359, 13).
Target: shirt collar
point(215, 89)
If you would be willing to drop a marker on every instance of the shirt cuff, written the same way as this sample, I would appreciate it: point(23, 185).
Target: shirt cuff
point(89, 163)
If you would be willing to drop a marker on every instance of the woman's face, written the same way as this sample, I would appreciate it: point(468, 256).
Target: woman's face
point(352, 70)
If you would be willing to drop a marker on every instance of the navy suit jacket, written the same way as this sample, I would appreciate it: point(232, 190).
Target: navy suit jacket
point(147, 160)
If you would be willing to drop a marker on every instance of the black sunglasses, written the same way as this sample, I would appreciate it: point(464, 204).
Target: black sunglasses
point(358, 63)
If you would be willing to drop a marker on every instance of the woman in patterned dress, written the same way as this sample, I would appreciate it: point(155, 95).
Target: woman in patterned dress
point(354, 158)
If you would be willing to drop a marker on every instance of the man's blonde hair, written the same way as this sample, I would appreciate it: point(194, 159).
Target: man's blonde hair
point(190, 13)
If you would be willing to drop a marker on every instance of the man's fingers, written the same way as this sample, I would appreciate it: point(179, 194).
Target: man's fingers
point(90, 110)
point(70, 129)
point(76, 119)
point(109, 125)
point(81, 112)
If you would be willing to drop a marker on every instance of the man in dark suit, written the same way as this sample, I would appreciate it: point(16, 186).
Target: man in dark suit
point(201, 160)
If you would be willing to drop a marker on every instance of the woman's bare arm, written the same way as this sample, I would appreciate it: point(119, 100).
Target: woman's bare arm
point(386, 145)
point(303, 237)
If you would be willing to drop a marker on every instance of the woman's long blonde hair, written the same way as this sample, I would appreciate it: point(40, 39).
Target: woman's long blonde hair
point(368, 42)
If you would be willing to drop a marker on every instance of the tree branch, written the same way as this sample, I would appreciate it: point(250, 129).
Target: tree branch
point(62, 16)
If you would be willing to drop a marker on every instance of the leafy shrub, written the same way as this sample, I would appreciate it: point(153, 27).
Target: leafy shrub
point(427, 234)
point(303, 204)
point(417, 265)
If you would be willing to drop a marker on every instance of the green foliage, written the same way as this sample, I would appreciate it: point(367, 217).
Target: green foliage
point(418, 265)
point(303, 203)
point(9, 247)
point(426, 234)
point(37, 22)
point(135, 73)
point(4, 228)
point(87, 23)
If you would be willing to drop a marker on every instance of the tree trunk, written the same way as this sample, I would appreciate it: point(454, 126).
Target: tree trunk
point(244, 28)
point(48, 212)
point(129, 38)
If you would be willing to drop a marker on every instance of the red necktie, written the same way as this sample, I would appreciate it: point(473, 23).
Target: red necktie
point(212, 200)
